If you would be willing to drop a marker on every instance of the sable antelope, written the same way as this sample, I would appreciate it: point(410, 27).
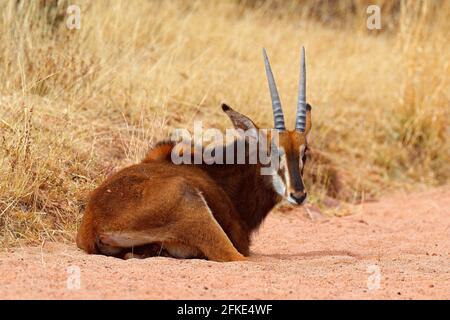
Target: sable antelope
point(204, 211)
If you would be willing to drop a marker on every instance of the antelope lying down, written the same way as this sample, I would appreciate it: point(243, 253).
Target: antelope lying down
point(198, 210)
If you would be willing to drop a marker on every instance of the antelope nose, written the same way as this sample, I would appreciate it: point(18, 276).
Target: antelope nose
point(299, 197)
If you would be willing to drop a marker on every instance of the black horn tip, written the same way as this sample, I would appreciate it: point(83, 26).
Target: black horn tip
point(225, 107)
point(308, 107)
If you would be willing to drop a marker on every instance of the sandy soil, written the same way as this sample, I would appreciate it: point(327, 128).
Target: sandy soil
point(404, 237)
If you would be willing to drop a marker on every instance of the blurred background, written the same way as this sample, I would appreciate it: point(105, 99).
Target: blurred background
point(76, 105)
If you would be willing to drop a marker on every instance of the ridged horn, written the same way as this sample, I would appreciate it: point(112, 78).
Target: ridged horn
point(300, 119)
point(278, 116)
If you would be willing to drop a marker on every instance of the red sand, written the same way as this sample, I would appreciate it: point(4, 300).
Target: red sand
point(405, 237)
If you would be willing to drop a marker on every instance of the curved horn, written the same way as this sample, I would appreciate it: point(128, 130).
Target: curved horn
point(276, 103)
point(300, 119)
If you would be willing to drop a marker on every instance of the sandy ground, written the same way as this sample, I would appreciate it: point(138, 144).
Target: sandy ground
point(398, 248)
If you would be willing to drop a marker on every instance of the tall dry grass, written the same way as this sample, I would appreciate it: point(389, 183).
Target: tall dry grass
point(76, 105)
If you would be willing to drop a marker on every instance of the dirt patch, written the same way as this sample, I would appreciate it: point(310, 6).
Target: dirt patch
point(398, 248)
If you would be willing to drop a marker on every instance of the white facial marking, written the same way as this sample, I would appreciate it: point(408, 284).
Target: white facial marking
point(286, 174)
point(291, 200)
point(302, 152)
point(277, 182)
point(278, 185)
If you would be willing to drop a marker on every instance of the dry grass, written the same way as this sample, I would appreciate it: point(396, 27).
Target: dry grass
point(76, 105)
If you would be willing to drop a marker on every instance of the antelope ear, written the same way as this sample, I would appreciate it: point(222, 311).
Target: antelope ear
point(308, 120)
point(239, 120)
point(246, 127)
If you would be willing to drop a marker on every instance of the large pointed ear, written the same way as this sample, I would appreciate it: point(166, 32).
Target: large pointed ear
point(308, 120)
point(244, 126)
point(239, 120)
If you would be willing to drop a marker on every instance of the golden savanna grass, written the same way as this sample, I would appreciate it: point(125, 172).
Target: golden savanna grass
point(76, 105)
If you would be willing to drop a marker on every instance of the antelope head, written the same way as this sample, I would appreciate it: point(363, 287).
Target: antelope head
point(291, 148)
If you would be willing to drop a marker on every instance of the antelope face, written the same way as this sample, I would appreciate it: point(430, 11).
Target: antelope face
point(287, 181)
